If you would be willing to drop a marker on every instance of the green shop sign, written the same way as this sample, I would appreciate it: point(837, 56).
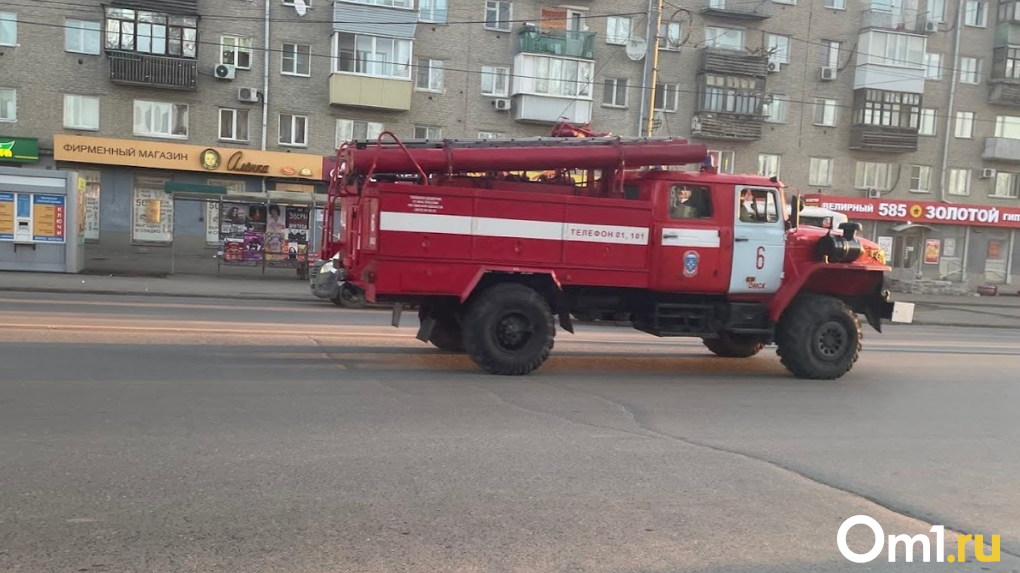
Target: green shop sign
point(19, 150)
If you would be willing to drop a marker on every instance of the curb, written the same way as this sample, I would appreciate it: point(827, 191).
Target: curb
point(238, 296)
point(960, 325)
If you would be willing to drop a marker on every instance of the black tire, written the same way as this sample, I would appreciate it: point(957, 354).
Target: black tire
point(447, 335)
point(818, 338)
point(350, 296)
point(509, 330)
point(730, 345)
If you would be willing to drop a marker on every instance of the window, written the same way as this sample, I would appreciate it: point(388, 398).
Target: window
point(161, 119)
point(732, 94)
point(293, 130)
point(234, 124)
point(82, 37)
point(427, 132)
point(689, 201)
point(830, 53)
point(8, 29)
point(869, 175)
point(920, 178)
point(836, 4)
point(775, 111)
point(758, 206)
point(8, 104)
point(936, 11)
point(617, 30)
point(725, 161)
point(430, 75)
point(491, 135)
point(768, 165)
point(926, 124)
point(296, 60)
point(498, 15)
point(886, 109)
point(890, 49)
point(81, 112)
point(1007, 185)
point(959, 181)
point(236, 51)
point(669, 36)
point(434, 11)
point(495, 81)
point(348, 130)
point(825, 111)
point(933, 66)
point(727, 38)
point(970, 70)
point(1007, 126)
point(373, 55)
point(559, 77)
point(615, 92)
point(964, 124)
point(1011, 66)
point(820, 172)
point(666, 97)
point(976, 13)
point(779, 48)
point(151, 33)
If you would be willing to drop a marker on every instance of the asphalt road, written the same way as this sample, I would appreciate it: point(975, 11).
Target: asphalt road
point(141, 434)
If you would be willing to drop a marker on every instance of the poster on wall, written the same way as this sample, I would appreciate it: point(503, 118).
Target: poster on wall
point(6, 216)
point(932, 247)
point(949, 248)
point(92, 192)
point(153, 216)
point(886, 244)
point(48, 218)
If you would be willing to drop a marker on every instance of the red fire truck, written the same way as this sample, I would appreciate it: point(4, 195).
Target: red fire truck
point(494, 240)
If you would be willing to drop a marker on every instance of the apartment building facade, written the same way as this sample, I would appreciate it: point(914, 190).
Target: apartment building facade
point(884, 107)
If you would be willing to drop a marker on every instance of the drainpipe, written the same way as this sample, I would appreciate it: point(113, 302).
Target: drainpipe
point(952, 99)
point(265, 87)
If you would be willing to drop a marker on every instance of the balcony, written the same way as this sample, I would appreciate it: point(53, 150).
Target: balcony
point(563, 43)
point(133, 68)
point(904, 20)
point(1004, 92)
point(883, 138)
point(371, 92)
point(1002, 149)
point(542, 109)
point(734, 10)
point(726, 126)
point(733, 62)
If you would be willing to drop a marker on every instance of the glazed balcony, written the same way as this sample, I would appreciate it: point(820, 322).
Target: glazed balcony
point(905, 20)
point(734, 10)
point(164, 72)
point(563, 43)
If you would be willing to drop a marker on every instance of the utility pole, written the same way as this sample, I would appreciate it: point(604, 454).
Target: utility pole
point(651, 76)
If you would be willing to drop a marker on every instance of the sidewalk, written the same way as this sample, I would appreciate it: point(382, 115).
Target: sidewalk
point(1001, 311)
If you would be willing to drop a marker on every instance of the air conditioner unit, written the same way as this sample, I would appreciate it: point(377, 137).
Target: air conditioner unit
point(930, 27)
point(501, 104)
point(225, 71)
point(248, 95)
point(874, 193)
point(772, 66)
point(827, 73)
point(987, 173)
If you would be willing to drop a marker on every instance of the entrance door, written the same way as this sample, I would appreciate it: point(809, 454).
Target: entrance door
point(759, 241)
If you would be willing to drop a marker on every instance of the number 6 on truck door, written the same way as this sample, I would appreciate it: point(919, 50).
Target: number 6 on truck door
point(759, 241)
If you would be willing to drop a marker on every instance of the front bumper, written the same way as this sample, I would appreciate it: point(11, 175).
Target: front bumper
point(324, 281)
point(879, 307)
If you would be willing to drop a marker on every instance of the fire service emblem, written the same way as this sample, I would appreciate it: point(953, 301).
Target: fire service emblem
point(691, 259)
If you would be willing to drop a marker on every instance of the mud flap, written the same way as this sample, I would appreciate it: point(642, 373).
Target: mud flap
point(565, 321)
point(397, 310)
point(878, 307)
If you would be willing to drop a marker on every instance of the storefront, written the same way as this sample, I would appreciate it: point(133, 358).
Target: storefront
point(154, 207)
point(18, 151)
point(926, 242)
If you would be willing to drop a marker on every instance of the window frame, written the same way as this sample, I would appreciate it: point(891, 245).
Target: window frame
point(428, 13)
point(829, 164)
point(373, 62)
point(294, 116)
point(81, 99)
point(923, 172)
point(236, 112)
point(431, 69)
point(12, 19)
point(495, 72)
point(370, 128)
point(171, 23)
point(495, 6)
point(296, 59)
point(615, 91)
point(237, 50)
point(14, 105)
point(175, 109)
point(72, 28)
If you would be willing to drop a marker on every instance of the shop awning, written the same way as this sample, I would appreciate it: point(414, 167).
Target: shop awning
point(908, 226)
point(176, 187)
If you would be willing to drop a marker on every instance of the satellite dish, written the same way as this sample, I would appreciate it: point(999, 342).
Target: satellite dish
point(300, 6)
point(636, 49)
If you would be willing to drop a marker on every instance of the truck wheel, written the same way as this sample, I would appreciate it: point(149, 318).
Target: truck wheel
point(730, 345)
point(819, 338)
point(350, 297)
point(509, 330)
point(447, 335)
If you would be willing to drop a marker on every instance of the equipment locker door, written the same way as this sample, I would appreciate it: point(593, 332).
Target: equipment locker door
point(759, 241)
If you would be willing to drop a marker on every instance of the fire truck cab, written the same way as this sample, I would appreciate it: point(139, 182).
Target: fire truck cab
point(497, 261)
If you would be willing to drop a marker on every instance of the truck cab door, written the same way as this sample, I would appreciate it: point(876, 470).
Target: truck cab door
point(688, 230)
point(759, 241)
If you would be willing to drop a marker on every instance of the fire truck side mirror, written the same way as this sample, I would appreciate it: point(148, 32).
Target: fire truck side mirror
point(796, 205)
